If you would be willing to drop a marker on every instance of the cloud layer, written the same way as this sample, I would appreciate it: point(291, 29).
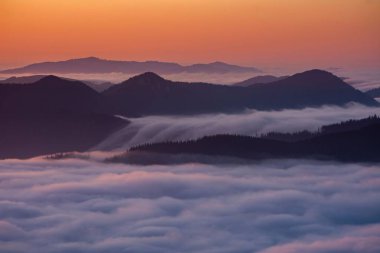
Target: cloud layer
point(164, 128)
point(274, 206)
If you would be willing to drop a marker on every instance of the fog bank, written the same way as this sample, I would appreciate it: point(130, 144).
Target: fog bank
point(273, 206)
point(166, 128)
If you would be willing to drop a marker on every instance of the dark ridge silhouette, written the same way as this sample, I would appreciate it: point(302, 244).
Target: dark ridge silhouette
point(259, 79)
point(344, 126)
point(149, 94)
point(97, 85)
point(349, 125)
point(34, 114)
point(359, 145)
point(29, 135)
point(52, 115)
point(375, 93)
point(51, 94)
point(290, 137)
point(310, 88)
point(96, 65)
point(23, 79)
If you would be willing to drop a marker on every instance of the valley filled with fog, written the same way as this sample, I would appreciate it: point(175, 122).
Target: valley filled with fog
point(152, 165)
point(159, 126)
point(269, 206)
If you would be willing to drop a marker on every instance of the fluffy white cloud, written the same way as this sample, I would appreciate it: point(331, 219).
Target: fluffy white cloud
point(271, 206)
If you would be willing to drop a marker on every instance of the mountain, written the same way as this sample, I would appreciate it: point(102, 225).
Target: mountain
point(50, 94)
point(259, 79)
point(357, 145)
point(96, 65)
point(218, 67)
point(344, 126)
point(29, 135)
point(375, 93)
point(22, 79)
point(95, 84)
point(149, 94)
point(310, 88)
point(52, 115)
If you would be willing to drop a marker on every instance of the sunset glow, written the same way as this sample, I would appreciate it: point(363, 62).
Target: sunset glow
point(166, 126)
point(251, 32)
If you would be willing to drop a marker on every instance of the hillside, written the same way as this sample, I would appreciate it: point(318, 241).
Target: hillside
point(360, 144)
point(149, 94)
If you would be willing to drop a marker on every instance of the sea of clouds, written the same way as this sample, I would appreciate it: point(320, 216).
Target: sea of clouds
point(168, 128)
point(287, 206)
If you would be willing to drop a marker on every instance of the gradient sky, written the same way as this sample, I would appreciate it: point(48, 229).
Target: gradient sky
point(325, 33)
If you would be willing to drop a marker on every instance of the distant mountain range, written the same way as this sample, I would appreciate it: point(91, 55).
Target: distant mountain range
point(259, 79)
point(149, 94)
point(345, 143)
point(96, 65)
point(60, 115)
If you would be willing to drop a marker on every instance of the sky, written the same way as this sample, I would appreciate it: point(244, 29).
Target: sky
point(328, 33)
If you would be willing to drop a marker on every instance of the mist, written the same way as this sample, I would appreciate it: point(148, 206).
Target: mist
point(168, 128)
point(272, 206)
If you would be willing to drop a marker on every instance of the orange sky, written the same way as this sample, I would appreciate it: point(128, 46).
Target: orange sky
point(251, 32)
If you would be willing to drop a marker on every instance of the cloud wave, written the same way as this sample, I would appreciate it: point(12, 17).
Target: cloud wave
point(165, 128)
point(272, 206)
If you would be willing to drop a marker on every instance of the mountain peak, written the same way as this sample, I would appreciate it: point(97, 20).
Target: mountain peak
point(55, 82)
point(90, 58)
point(50, 78)
point(218, 63)
point(316, 73)
point(148, 77)
point(317, 76)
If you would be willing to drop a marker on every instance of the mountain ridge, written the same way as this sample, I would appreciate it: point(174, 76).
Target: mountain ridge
point(97, 65)
point(97, 85)
point(259, 80)
point(149, 94)
point(65, 115)
point(359, 144)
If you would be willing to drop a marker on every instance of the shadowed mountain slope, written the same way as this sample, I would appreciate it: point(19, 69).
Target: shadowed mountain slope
point(52, 115)
point(55, 114)
point(345, 126)
point(50, 94)
point(22, 79)
point(358, 145)
point(310, 88)
point(149, 94)
point(97, 85)
point(25, 136)
point(259, 79)
point(375, 93)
